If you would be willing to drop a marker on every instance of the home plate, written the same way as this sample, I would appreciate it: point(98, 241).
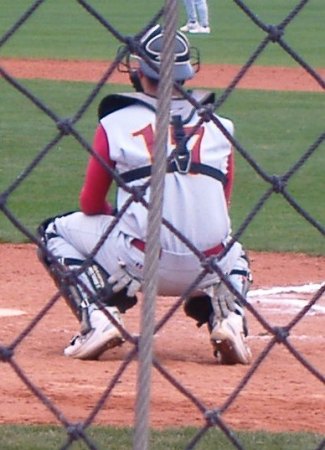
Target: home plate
point(7, 312)
point(288, 299)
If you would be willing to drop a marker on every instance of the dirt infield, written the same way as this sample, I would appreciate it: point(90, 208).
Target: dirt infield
point(210, 76)
point(281, 396)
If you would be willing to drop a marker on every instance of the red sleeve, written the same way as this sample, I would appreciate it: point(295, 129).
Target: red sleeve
point(97, 182)
point(230, 178)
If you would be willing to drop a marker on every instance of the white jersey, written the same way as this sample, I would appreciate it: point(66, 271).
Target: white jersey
point(194, 204)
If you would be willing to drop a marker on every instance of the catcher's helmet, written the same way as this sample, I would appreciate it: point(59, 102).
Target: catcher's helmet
point(152, 44)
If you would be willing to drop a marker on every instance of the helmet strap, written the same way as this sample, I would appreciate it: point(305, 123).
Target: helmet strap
point(135, 80)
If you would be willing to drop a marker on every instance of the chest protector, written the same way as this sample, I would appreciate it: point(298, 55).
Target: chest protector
point(182, 112)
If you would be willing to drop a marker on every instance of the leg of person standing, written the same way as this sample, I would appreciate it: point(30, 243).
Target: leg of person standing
point(203, 15)
point(192, 19)
point(197, 17)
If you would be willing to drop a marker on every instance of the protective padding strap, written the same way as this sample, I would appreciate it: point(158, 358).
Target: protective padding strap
point(244, 273)
point(194, 168)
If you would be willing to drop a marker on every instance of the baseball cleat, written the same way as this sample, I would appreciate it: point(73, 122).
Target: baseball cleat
point(190, 27)
point(102, 336)
point(228, 341)
point(200, 29)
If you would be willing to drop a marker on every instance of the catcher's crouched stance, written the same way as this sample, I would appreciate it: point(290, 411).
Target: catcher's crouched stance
point(97, 299)
point(99, 282)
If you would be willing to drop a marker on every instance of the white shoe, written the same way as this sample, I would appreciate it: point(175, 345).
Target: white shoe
point(228, 340)
point(190, 27)
point(199, 29)
point(102, 336)
point(205, 30)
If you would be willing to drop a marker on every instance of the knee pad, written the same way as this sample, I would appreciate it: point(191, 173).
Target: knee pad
point(80, 287)
point(95, 278)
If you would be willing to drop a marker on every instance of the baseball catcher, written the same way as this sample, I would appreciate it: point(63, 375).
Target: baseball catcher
point(95, 256)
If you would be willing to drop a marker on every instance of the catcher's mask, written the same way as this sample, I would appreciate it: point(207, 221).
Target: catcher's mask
point(147, 56)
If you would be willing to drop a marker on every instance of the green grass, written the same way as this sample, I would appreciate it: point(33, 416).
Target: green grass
point(62, 29)
point(274, 129)
point(16, 437)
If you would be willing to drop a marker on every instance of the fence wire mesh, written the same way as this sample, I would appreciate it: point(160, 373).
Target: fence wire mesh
point(142, 346)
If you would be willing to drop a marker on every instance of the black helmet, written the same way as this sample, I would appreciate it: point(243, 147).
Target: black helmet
point(152, 44)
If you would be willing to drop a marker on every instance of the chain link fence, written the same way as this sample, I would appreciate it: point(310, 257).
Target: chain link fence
point(142, 347)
